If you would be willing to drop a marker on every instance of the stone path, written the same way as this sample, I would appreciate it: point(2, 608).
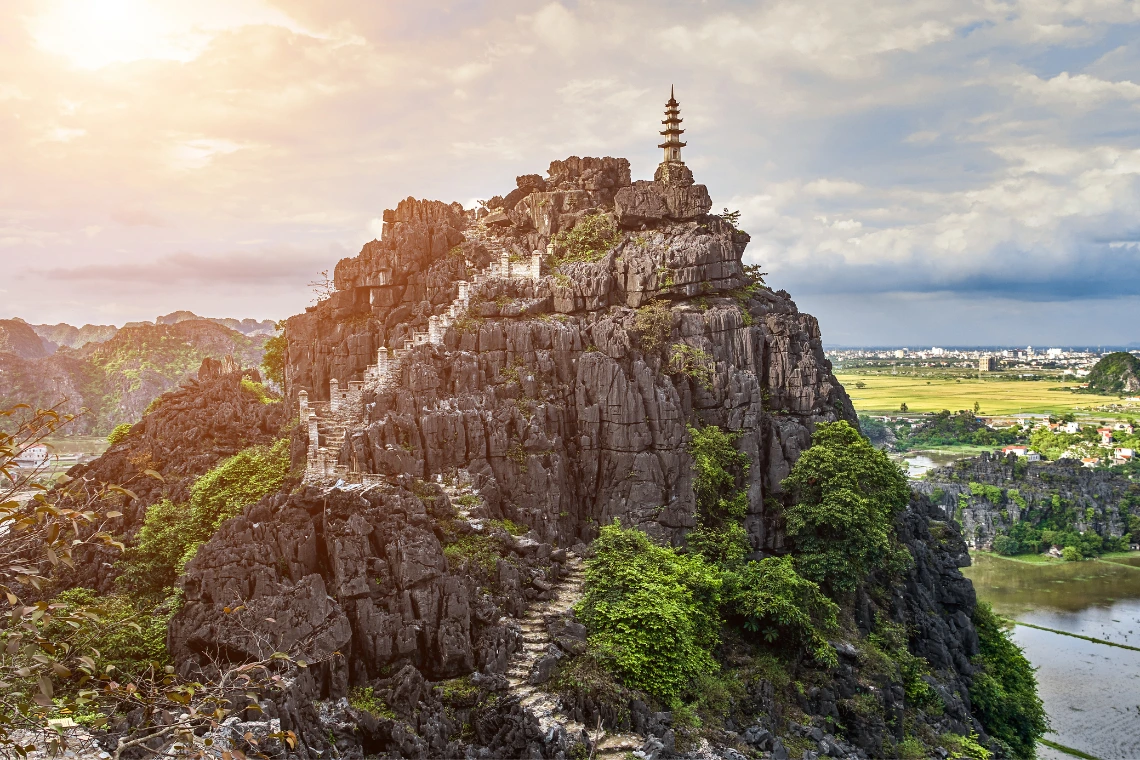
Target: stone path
point(536, 643)
point(344, 411)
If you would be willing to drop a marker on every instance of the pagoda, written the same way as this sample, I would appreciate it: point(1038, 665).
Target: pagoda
point(672, 169)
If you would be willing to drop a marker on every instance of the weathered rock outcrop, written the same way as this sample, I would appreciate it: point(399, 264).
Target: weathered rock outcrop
point(17, 337)
point(1064, 491)
point(186, 432)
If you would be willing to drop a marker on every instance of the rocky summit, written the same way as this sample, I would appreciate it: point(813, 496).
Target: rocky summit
point(482, 392)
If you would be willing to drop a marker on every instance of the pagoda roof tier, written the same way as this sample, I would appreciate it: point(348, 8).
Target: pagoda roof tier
point(677, 144)
point(677, 120)
point(672, 132)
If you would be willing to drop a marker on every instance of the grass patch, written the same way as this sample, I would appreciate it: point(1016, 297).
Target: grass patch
point(1027, 559)
point(363, 698)
point(1078, 636)
point(473, 549)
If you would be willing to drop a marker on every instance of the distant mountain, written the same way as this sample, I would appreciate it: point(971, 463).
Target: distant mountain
point(243, 326)
point(117, 379)
point(1116, 373)
point(62, 334)
point(17, 337)
point(65, 335)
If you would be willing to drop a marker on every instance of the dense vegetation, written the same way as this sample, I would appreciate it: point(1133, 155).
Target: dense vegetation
point(1117, 373)
point(172, 533)
point(847, 494)
point(945, 429)
point(677, 622)
point(1004, 692)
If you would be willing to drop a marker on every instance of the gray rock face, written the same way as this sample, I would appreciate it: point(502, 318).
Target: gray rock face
point(1109, 493)
point(656, 202)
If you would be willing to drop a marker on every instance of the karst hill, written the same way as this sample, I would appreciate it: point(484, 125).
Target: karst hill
point(484, 390)
point(556, 477)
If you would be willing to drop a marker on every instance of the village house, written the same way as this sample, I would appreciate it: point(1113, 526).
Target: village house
point(33, 456)
point(1105, 436)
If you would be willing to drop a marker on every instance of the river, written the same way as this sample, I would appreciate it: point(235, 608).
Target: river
point(1090, 690)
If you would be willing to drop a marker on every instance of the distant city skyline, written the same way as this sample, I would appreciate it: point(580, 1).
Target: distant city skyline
point(909, 172)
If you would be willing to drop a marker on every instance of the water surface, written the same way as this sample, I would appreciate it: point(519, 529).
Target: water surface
point(1091, 690)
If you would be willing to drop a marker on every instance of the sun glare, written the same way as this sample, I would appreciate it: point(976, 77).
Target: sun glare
point(95, 33)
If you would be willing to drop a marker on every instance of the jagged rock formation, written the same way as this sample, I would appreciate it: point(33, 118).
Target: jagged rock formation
point(558, 403)
point(186, 432)
point(116, 380)
point(1064, 490)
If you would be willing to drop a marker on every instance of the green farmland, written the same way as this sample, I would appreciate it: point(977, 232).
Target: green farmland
point(885, 393)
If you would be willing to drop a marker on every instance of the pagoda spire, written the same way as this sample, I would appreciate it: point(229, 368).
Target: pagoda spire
point(672, 132)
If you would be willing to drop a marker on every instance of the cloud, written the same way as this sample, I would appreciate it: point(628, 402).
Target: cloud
point(180, 269)
point(891, 149)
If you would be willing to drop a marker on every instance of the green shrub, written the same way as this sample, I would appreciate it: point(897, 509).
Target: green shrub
point(694, 363)
point(259, 390)
point(474, 548)
point(652, 612)
point(171, 533)
point(1071, 554)
point(1006, 545)
point(1004, 691)
point(589, 240)
point(964, 747)
point(653, 323)
point(119, 433)
point(847, 496)
point(779, 604)
point(128, 633)
point(240, 480)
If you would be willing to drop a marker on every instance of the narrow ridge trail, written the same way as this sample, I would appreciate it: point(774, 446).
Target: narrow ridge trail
point(537, 642)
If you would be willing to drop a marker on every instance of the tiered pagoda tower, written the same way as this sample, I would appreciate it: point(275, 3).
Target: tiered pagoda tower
point(673, 131)
point(672, 170)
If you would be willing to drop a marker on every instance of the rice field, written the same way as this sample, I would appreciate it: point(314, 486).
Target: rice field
point(884, 393)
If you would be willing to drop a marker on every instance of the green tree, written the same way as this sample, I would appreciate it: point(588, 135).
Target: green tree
point(652, 612)
point(847, 494)
point(780, 604)
point(1004, 691)
point(273, 361)
point(722, 501)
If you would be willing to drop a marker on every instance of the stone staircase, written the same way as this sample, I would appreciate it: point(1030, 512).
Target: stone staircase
point(537, 642)
point(331, 421)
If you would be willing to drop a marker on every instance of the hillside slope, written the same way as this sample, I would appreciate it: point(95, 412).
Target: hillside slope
point(1117, 372)
point(19, 339)
point(116, 380)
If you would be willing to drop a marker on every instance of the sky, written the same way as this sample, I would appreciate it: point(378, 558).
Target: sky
point(912, 172)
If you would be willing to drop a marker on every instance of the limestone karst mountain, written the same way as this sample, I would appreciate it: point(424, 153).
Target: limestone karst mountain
point(485, 389)
point(116, 380)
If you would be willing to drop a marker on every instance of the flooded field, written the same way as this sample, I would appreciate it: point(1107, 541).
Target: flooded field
point(1091, 690)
